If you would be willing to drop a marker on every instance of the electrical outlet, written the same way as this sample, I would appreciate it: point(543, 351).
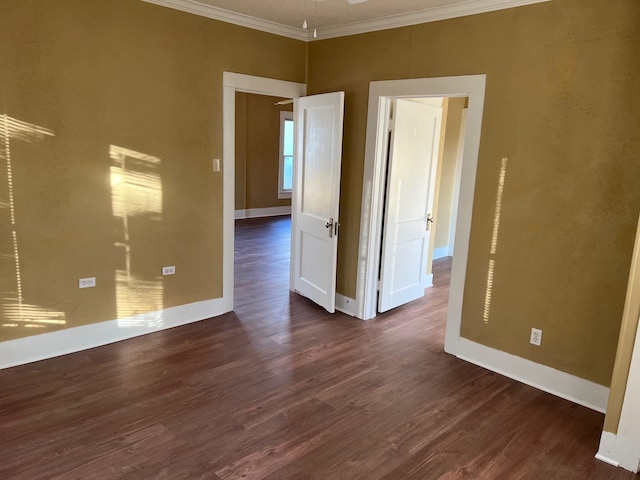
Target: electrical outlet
point(87, 282)
point(169, 270)
point(536, 336)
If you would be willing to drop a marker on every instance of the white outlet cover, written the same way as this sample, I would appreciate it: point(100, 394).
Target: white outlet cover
point(171, 270)
point(89, 282)
point(536, 337)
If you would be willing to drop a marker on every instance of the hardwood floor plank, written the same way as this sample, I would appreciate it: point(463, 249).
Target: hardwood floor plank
point(279, 389)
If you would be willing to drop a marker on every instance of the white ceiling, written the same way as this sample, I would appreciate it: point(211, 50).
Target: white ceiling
point(334, 18)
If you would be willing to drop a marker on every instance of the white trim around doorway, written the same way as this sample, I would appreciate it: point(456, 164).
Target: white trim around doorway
point(545, 378)
point(380, 95)
point(232, 83)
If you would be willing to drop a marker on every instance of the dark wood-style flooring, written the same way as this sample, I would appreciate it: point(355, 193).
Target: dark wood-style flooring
point(281, 390)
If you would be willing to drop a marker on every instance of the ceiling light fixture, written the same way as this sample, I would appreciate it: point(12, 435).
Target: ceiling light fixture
point(304, 24)
point(315, 22)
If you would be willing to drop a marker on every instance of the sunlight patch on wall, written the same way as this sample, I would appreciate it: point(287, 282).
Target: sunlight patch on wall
point(136, 188)
point(136, 296)
point(16, 312)
point(136, 196)
point(494, 241)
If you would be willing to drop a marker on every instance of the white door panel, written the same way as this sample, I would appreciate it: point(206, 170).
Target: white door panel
point(316, 196)
point(410, 194)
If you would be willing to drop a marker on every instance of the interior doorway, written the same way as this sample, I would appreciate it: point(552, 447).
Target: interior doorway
point(315, 188)
point(233, 83)
point(380, 96)
point(421, 173)
point(263, 187)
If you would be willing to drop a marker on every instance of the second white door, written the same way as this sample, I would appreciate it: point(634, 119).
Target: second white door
point(413, 160)
point(316, 196)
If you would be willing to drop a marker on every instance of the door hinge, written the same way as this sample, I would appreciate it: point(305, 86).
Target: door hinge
point(378, 286)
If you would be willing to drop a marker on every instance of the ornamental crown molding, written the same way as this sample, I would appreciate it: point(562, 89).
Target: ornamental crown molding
point(460, 9)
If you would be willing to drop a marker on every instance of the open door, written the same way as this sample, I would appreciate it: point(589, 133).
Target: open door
point(406, 233)
point(318, 123)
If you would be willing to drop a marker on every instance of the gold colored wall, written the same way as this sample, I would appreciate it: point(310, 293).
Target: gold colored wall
point(447, 173)
point(258, 151)
point(111, 112)
point(562, 105)
point(436, 194)
point(241, 151)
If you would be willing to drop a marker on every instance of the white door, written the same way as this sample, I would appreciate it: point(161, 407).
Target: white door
point(315, 201)
point(412, 168)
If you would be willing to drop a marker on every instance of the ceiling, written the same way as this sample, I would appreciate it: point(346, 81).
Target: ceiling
point(333, 18)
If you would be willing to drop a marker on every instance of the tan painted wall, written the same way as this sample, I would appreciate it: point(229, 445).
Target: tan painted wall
point(436, 197)
point(260, 153)
point(447, 174)
point(562, 104)
point(241, 151)
point(133, 75)
point(628, 333)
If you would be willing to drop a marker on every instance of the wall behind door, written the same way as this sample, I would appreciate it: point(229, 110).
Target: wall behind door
point(447, 174)
point(258, 151)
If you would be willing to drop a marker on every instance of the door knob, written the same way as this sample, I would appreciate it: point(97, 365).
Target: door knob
point(329, 225)
point(430, 220)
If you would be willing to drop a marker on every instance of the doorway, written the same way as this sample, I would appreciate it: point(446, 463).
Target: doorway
point(421, 173)
point(263, 186)
point(380, 96)
point(233, 83)
point(316, 177)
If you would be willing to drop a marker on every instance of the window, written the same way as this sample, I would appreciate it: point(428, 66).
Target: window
point(285, 181)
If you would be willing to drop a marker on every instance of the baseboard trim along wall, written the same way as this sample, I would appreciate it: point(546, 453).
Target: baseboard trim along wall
point(607, 448)
point(547, 379)
point(428, 280)
point(618, 452)
point(346, 305)
point(70, 340)
point(262, 212)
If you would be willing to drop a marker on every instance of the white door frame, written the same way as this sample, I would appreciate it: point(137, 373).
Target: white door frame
point(623, 447)
point(232, 83)
point(380, 93)
point(628, 436)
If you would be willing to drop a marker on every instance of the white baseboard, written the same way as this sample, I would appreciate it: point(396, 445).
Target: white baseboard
point(607, 448)
point(441, 252)
point(70, 340)
point(263, 212)
point(346, 305)
point(604, 459)
point(550, 380)
point(618, 452)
